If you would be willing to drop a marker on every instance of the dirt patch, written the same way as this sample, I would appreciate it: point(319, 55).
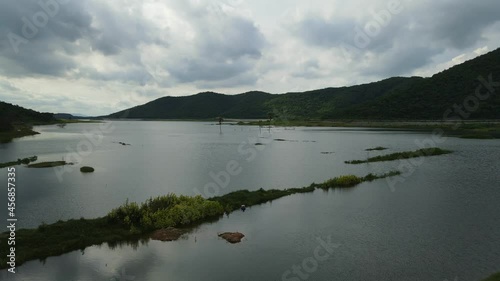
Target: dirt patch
point(232, 237)
point(167, 234)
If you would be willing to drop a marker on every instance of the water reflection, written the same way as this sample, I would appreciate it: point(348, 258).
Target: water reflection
point(443, 221)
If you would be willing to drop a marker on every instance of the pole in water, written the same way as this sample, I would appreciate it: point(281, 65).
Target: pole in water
point(220, 124)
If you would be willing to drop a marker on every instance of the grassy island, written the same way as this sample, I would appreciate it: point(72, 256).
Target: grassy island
point(378, 148)
point(132, 221)
point(25, 161)
point(403, 155)
point(86, 169)
point(48, 164)
point(18, 132)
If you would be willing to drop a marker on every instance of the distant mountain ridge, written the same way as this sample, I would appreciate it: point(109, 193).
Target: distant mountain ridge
point(393, 98)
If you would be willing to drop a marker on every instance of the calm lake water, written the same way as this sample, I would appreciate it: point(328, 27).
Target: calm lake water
point(441, 223)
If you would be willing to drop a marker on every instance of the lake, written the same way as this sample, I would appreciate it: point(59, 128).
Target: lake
point(441, 223)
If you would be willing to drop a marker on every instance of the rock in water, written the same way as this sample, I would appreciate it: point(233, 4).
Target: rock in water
point(232, 237)
point(167, 234)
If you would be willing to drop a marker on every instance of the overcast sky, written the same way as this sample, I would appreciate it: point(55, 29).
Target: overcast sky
point(97, 57)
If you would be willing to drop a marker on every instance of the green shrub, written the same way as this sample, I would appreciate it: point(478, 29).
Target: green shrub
point(343, 181)
point(165, 211)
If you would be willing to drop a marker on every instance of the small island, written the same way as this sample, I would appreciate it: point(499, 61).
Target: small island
point(49, 164)
point(426, 152)
point(87, 169)
point(164, 218)
point(378, 148)
point(25, 161)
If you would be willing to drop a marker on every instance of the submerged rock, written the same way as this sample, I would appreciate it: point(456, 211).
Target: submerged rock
point(232, 237)
point(167, 234)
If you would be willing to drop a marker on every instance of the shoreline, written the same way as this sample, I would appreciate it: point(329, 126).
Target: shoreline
point(469, 129)
point(63, 237)
point(26, 130)
point(466, 129)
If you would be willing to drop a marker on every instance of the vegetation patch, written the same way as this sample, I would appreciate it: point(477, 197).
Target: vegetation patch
point(378, 148)
point(122, 143)
point(86, 169)
point(49, 164)
point(403, 155)
point(234, 200)
point(478, 136)
point(78, 121)
point(494, 277)
point(352, 180)
point(132, 222)
point(165, 211)
point(25, 161)
point(472, 130)
point(62, 237)
point(17, 132)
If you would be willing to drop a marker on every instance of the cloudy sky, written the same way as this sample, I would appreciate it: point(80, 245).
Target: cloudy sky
point(97, 57)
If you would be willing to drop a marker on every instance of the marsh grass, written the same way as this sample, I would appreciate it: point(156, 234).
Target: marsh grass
point(342, 181)
point(18, 132)
point(25, 161)
point(467, 130)
point(234, 200)
point(403, 155)
point(131, 221)
point(378, 148)
point(352, 180)
point(477, 136)
point(48, 164)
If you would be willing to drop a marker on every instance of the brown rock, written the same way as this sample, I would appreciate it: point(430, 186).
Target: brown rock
point(232, 237)
point(167, 234)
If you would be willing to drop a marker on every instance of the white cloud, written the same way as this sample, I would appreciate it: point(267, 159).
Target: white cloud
point(98, 57)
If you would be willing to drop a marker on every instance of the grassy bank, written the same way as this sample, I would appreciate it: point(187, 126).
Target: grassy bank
point(18, 132)
point(403, 155)
point(467, 129)
point(494, 277)
point(76, 121)
point(48, 164)
point(132, 221)
point(25, 161)
point(24, 130)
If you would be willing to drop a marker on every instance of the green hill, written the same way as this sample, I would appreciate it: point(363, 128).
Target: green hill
point(16, 121)
point(394, 98)
point(201, 106)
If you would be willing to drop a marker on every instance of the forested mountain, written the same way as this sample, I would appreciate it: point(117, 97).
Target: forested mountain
point(11, 115)
point(393, 98)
